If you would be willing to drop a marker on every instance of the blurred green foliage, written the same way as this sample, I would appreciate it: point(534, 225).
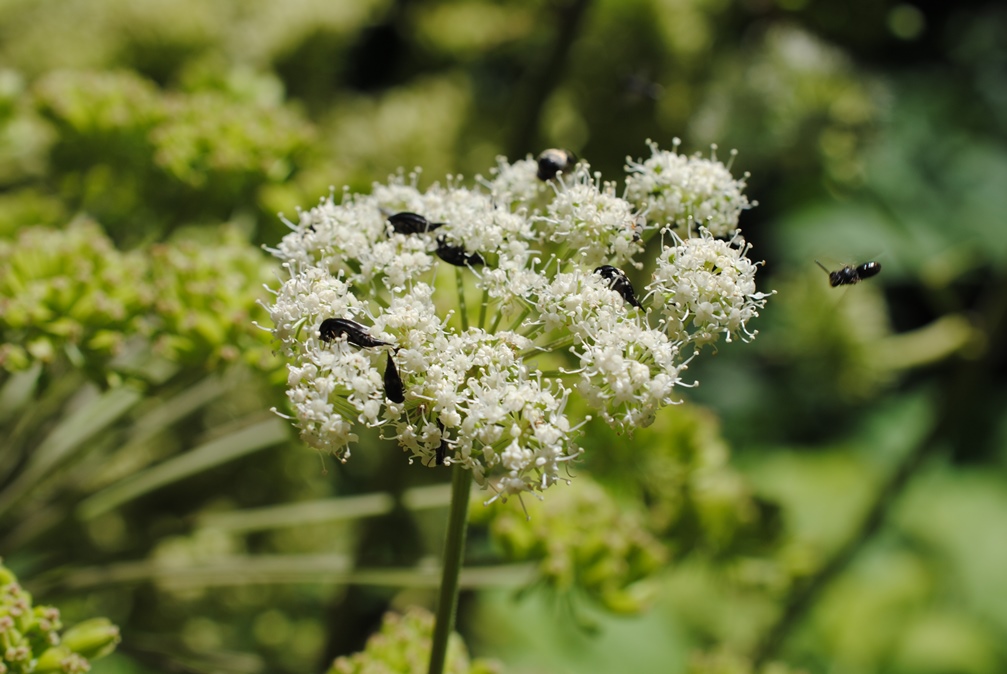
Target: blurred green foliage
point(583, 541)
point(830, 495)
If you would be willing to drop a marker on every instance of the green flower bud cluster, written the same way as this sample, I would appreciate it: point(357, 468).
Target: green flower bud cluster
point(402, 646)
point(67, 291)
point(584, 540)
point(206, 297)
point(110, 113)
point(71, 294)
point(129, 152)
point(800, 92)
point(208, 141)
point(30, 640)
point(696, 500)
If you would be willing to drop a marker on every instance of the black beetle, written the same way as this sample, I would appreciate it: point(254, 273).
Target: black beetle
point(332, 329)
point(412, 223)
point(619, 282)
point(394, 388)
point(456, 255)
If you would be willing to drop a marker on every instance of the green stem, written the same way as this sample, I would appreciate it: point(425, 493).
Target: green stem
point(454, 549)
point(496, 322)
point(462, 309)
point(482, 308)
point(534, 331)
point(342, 406)
point(554, 374)
point(561, 343)
point(520, 319)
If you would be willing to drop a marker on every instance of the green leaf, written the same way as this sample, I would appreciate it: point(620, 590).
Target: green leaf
point(214, 453)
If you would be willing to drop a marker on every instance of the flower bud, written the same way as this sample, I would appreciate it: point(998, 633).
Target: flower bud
point(92, 638)
point(62, 660)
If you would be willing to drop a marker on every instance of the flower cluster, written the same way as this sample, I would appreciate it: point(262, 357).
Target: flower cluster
point(127, 152)
point(67, 290)
point(463, 320)
point(31, 640)
point(402, 646)
point(584, 541)
point(683, 191)
point(707, 286)
point(70, 293)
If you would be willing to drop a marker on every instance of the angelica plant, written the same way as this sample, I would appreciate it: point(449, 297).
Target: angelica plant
point(461, 320)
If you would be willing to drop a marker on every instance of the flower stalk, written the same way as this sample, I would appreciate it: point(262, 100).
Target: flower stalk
point(454, 551)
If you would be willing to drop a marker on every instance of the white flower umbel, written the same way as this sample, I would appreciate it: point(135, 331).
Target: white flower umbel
point(481, 405)
point(461, 320)
point(307, 298)
point(703, 287)
point(676, 191)
point(586, 218)
point(516, 185)
point(628, 372)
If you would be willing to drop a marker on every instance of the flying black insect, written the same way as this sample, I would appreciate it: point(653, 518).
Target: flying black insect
point(456, 255)
point(638, 87)
point(394, 388)
point(412, 223)
point(850, 275)
point(619, 282)
point(552, 161)
point(332, 329)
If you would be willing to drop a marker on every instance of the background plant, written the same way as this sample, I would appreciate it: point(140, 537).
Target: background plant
point(870, 417)
point(34, 639)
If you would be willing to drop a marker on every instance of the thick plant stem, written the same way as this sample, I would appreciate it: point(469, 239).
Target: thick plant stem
point(454, 550)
